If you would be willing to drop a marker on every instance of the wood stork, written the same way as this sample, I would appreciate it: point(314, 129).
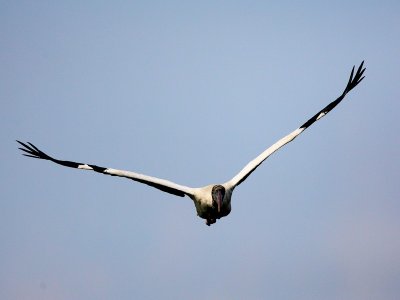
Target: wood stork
point(213, 201)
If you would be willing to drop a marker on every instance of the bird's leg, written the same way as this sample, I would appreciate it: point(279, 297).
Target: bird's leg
point(210, 221)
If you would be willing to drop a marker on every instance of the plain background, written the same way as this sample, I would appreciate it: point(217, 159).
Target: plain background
point(190, 91)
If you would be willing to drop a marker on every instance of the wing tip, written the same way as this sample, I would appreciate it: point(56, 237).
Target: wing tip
point(32, 151)
point(356, 78)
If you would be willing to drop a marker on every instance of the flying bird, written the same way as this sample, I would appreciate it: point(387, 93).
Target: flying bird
point(213, 201)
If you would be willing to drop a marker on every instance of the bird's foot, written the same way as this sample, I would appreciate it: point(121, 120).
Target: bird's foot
point(210, 221)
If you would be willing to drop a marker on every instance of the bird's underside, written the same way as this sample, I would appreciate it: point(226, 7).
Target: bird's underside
point(212, 202)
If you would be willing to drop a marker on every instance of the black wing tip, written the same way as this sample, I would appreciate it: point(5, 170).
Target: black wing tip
point(32, 151)
point(21, 143)
point(352, 83)
point(354, 80)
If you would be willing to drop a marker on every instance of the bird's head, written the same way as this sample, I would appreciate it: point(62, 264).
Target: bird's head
point(218, 193)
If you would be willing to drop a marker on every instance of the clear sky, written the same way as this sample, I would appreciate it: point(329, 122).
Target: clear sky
point(190, 91)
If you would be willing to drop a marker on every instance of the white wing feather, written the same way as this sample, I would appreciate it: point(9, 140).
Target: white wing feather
point(161, 184)
point(251, 166)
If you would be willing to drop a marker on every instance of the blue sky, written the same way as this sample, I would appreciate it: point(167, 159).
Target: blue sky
point(191, 92)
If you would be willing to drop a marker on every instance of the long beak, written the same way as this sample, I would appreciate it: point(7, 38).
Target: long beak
point(219, 201)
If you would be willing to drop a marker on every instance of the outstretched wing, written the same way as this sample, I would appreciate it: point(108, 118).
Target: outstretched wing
point(161, 184)
point(251, 166)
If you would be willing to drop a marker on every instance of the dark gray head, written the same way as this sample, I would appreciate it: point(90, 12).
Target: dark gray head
point(218, 193)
